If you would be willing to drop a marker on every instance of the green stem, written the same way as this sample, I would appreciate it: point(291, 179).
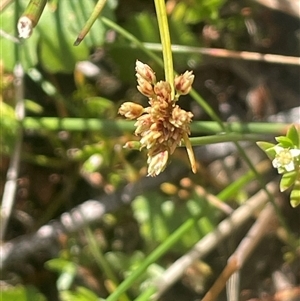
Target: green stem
point(95, 14)
point(208, 109)
point(30, 17)
point(101, 261)
point(153, 257)
point(16, 45)
point(34, 10)
point(162, 19)
point(108, 127)
point(264, 128)
point(195, 141)
point(130, 37)
point(120, 125)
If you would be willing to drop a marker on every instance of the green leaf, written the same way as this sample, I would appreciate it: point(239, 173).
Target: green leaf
point(294, 135)
point(22, 293)
point(33, 107)
point(93, 163)
point(265, 145)
point(66, 278)
point(67, 270)
point(98, 106)
point(58, 264)
point(295, 197)
point(122, 262)
point(87, 294)
point(284, 141)
point(268, 148)
point(89, 150)
point(288, 179)
point(81, 294)
point(196, 11)
point(56, 45)
point(8, 128)
point(126, 264)
point(158, 218)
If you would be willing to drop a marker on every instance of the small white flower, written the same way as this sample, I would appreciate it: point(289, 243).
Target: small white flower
point(284, 159)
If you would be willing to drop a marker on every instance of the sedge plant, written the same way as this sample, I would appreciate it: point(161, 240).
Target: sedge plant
point(163, 126)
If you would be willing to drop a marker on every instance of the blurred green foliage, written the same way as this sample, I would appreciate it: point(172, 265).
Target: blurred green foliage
point(51, 49)
point(8, 126)
point(21, 293)
point(158, 217)
point(51, 43)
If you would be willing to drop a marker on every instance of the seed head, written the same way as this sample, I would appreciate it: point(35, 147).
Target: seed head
point(144, 86)
point(163, 91)
point(144, 71)
point(183, 82)
point(131, 110)
point(157, 163)
point(163, 125)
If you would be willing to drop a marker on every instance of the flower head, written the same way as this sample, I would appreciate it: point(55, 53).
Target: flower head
point(144, 86)
point(163, 125)
point(285, 159)
point(183, 82)
point(157, 163)
point(131, 110)
point(144, 71)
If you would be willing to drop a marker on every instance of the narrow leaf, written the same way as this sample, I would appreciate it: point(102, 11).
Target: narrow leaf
point(294, 135)
point(264, 145)
point(288, 179)
point(284, 141)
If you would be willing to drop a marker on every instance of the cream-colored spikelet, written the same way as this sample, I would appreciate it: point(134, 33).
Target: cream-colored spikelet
point(163, 125)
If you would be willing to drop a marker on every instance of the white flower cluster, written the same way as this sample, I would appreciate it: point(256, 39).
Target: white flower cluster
point(286, 159)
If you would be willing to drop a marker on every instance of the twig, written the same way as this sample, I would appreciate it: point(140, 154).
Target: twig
point(237, 260)
point(217, 287)
point(8, 36)
point(15, 253)
point(211, 240)
point(13, 170)
point(95, 14)
point(232, 286)
point(213, 200)
point(263, 224)
point(230, 54)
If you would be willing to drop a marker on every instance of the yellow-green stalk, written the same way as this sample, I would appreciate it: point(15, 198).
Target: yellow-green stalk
point(95, 14)
point(30, 18)
point(161, 14)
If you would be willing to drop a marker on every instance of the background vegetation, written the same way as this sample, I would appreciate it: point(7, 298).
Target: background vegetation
point(85, 217)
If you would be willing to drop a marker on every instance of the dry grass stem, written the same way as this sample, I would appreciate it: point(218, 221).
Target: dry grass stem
point(247, 245)
point(211, 240)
